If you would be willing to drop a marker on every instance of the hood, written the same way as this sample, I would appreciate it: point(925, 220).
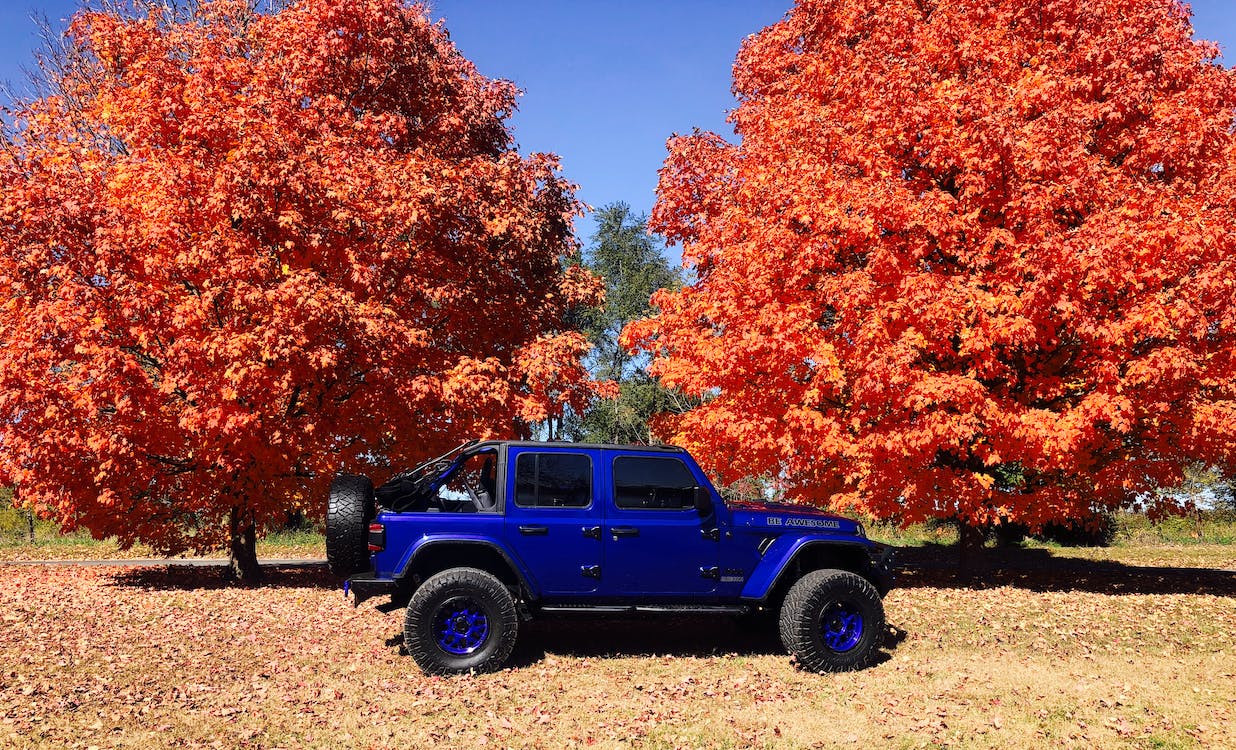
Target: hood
point(785, 517)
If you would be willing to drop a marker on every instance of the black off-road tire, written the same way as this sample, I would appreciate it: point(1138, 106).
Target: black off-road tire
point(348, 512)
point(823, 594)
point(444, 593)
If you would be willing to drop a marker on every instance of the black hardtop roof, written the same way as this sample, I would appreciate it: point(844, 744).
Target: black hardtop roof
point(567, 444)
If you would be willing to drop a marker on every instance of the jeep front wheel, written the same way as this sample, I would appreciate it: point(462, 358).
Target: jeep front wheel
point(460, 620)
point(832, 621)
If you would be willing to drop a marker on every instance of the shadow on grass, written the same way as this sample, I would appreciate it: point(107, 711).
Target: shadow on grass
point(608, 636)
point(935, 566)
point(653, 635)
point(202, 578)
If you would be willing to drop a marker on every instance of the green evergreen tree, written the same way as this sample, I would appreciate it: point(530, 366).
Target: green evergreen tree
point(632, 263)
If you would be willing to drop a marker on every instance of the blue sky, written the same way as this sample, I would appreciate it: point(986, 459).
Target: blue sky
point(605, 82)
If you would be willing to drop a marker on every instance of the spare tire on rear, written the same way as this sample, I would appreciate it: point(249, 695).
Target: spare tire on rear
point(348, 513)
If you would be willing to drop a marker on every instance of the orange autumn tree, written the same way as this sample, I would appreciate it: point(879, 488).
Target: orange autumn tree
point(970, 259)
point(240, 251)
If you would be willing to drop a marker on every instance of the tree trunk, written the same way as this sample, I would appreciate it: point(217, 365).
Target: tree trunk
point(243, 564)
point(29, 518)
point(969, 544)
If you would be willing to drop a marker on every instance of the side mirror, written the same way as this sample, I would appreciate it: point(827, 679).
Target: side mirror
point(703, 500)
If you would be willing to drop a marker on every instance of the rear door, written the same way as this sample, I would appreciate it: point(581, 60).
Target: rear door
point(553, 523)
point(656, 542)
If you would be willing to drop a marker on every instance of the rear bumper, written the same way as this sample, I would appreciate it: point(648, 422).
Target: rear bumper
point(364, 586)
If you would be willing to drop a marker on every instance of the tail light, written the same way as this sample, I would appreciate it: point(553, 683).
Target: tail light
point(377, 537)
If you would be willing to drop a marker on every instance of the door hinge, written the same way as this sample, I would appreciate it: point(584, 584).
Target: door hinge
point(590, 571)
point(713, 534)
point(713, 573)
point(592, 532)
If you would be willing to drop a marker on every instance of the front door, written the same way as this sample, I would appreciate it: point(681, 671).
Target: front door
point(656, 542)
point(553, 523)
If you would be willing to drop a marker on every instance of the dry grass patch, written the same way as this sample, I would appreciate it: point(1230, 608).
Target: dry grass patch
point(1220, 556)
point(1042, 652)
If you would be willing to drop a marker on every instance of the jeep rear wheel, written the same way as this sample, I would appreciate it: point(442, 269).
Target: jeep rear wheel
point(461, 620)
point(832, 621)
point(348, 513)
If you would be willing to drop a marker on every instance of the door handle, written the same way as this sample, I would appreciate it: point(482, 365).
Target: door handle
point(621, 531)
point(592, 532)
point(534, 530)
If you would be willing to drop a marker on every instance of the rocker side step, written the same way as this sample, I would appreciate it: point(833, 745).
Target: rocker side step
point(666, 609)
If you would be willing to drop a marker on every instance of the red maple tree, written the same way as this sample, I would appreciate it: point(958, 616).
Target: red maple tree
point(970, 259)
point(242, 251)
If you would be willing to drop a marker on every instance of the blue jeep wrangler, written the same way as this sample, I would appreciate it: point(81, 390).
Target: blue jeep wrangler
point(493, 533)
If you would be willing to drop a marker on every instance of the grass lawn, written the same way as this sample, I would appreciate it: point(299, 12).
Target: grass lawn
point(1189, 540)
point(1120, 647)
point(50, 544)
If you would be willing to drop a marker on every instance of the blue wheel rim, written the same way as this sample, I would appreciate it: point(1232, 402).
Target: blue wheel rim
point(842, 626)
point(460, 626)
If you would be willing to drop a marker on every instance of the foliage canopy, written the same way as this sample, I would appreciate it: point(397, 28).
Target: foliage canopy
point(970, 258)
point(240, 251)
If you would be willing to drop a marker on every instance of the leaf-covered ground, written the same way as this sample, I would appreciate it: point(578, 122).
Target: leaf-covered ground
point(1041, 651)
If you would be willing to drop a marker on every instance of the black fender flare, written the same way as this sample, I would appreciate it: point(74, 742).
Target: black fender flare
point(859, 551)
point(433, 545)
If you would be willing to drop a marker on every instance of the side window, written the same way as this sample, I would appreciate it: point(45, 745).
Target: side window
point(653, 483)
point(553, 480)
